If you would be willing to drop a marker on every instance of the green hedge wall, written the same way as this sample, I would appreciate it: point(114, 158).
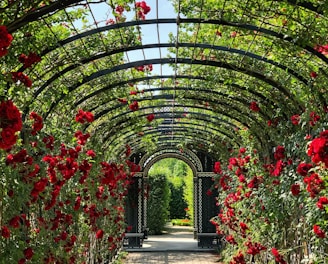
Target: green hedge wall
point(158, 204)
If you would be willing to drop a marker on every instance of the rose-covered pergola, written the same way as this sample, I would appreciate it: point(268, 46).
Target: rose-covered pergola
point(86, 85)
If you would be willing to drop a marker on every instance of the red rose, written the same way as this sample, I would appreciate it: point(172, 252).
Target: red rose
point(279, 153)
point(295, 119)
point(91, 153)
point(295, 189)
point(317, 150)
point(15, 222)
point(134, 92)
point(28, 253)
point(150, 117)
point(321, 202)
point(99, 234)
point(278, 256)
point(5, 40)
point(38, 122)
point(303, 168)
point(8, 138)
point(318, 231)
point(21, 77)
point(84, 117)
point(254, 107)
point(122, 100)
point(313, 74)
point(217, 167)
point(134, 106)
point(5, 232)
point(29, 60)
point(323, 49)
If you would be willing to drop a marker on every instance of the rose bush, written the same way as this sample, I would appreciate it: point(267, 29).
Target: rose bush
point(60, 202)
point(274, 210)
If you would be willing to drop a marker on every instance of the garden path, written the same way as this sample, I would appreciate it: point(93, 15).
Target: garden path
point(176, 246)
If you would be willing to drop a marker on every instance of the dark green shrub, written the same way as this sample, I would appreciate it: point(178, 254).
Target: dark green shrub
point(158, 204)
point(177, 202)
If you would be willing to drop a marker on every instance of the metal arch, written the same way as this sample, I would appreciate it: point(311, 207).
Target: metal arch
point(53, 7)
point(137, 144)
point(251, 91)
point(202, 117)
point(39, 12)
point(128, 135)
point(192, 113)
point(192, 98)
point(304, 4)
point(170, 97)
point(170, 155)
point(179, 61)
point(134, 80)
point(170, 143)
point(181, 88)
point(221, 82)
point(187, 154)
point(100, 114)
point(199, 134)
point(170, 45)
point(190, 21)
point(178, 142)
point(197, 118)
point(173, 143)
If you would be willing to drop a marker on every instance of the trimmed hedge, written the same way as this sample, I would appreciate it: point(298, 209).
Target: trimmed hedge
point(177, 202)
point(158, 204)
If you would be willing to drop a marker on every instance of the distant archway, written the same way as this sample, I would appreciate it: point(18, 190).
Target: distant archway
point(205, 206)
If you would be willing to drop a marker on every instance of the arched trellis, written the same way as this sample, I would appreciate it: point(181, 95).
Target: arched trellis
point(271, 56)
point(105, 108)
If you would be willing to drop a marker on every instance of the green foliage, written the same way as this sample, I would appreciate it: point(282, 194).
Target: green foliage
point(188, 193)
point(177, 202)
point(180, 177)
point(158, 204)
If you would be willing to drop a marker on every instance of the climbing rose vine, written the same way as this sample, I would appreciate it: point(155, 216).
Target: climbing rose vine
point(10, 124)
point(60, 203)
point(272, 206)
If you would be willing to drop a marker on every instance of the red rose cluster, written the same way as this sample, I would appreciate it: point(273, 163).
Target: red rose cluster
point(254, 106)
point(5, 40)
point(279, 258)
point(144, 68)
point(323, 49)
point(318, 149)
point(21, 77)
point(142, 9)
point(29, 60)
point(150, 117)
point(84, 117)
point(38, 123)
point(10, 123)
point(134, 106)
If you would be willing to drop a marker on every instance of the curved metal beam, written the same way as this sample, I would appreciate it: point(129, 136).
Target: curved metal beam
point(180, 20)
point(197, 99)
point(129, 134)
point(217, 64)
point(196, 116)
point(171, 45)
